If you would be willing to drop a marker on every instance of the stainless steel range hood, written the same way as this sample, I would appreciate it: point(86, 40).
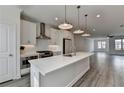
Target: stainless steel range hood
point(42, 32)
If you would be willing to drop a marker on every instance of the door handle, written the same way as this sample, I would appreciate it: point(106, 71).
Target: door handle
point(10, 55)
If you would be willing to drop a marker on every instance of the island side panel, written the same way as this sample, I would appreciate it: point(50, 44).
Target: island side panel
point(66, 76)
point(34, 76)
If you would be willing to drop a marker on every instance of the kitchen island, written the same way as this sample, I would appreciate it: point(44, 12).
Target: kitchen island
point(59, 71)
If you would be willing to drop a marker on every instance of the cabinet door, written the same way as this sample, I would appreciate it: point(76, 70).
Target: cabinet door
point(24, 32)
point(28, 33)
point(32, 33)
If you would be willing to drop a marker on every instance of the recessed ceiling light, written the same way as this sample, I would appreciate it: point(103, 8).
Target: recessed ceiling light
point(56, 18)
point(98, 15)
point(94, 29)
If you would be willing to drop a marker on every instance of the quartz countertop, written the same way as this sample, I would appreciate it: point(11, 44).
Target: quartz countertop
point(49, 64)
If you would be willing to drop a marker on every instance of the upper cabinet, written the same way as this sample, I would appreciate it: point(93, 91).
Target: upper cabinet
point(28, 33)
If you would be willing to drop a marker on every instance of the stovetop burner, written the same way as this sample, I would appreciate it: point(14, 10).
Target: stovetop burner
point(45, 53)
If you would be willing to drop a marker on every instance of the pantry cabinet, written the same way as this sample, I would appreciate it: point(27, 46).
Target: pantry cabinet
point(28, 33)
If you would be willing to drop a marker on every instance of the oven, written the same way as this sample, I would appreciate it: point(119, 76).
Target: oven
point(25, 65)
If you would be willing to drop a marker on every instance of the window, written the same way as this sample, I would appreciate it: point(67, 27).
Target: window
point(119, 44)
point(101, 44)
point(123, 43)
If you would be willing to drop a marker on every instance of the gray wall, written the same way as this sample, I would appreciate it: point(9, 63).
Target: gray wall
point(83, 44)
point(89, 44)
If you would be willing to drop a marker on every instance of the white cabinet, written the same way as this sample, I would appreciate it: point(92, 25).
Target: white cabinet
point(28, 33)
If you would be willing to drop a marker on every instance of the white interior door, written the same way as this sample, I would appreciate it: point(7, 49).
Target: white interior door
point(7, 52)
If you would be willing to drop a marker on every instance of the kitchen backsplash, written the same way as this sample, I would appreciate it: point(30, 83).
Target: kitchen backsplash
point(28, 48)
point(42, 44)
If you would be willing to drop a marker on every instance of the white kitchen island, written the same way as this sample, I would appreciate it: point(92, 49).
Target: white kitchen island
point(59, 71)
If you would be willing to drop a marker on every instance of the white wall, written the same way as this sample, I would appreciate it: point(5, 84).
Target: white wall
point(11, 14)
point(84, 44)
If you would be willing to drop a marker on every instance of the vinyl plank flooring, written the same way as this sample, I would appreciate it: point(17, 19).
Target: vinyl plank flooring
point(23, 82)
point(106, 71)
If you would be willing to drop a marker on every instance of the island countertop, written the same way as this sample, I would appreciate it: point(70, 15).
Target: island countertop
point(46, 65)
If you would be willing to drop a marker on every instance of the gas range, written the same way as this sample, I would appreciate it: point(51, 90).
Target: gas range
point(25, 66)
point(43, 54)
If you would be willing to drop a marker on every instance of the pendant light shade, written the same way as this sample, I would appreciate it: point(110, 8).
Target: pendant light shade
point(65, 25)
point(86, 34)
point(79, 31)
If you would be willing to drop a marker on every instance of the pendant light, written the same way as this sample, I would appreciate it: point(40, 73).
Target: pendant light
point(78, 31)
point(65, 25)
point(86, 34)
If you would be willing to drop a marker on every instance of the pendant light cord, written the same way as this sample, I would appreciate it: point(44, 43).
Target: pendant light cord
point(65, 14)
point(78, 7)
point(86, 22)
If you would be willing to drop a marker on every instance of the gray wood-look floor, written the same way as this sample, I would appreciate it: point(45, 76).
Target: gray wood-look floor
point(106, 71)
point(23, 82)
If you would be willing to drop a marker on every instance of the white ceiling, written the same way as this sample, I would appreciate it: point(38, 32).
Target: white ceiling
point(109, 22)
